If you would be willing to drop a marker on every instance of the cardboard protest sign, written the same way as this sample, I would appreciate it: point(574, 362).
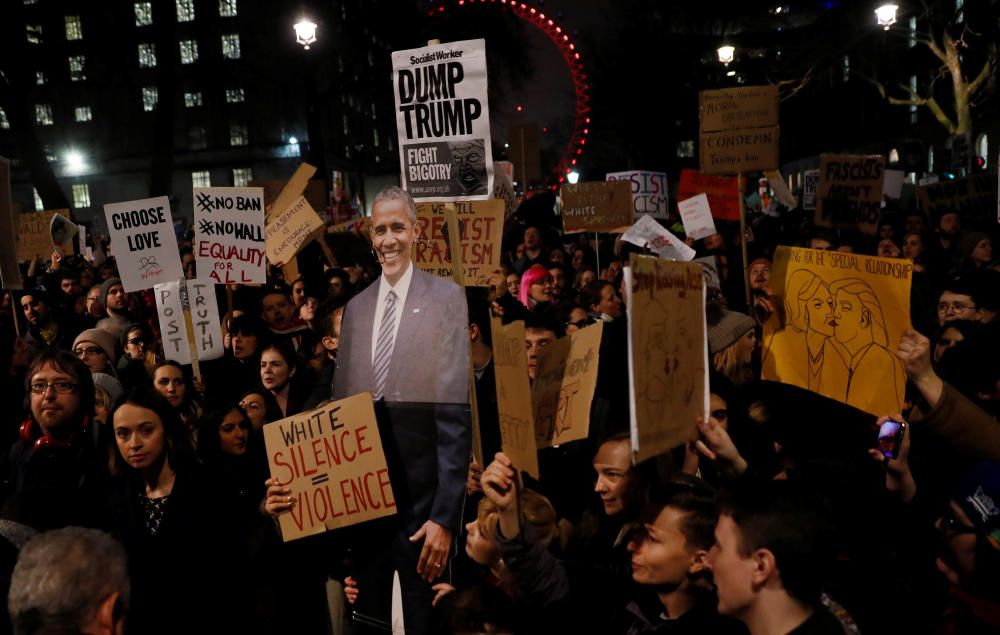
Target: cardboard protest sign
point(332, 459)
point(597, 206)
point(290, 230)
point(443, 121)
point(723, 192)
point(739, 151)
point(229, 234)
point(517, 425)
point(565, 379)
point(696, 217)
point(301, 183)
point(503, 186)
point(648, 233)
point(668, 353)
point(144, 242)
point(736, 108)
point(62, 230)
point(360, 226)
point(838, 319)
point(739, 129)
point(204, 317)
point(850, 191)
point(810, 185)
point(649, 192)
point(781, 191)
point(10, 273)
point(35, 235)
point(892, 187)
point(480, 231)
point(973, 197)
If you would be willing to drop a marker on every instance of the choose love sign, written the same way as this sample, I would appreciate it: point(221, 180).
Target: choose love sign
point(144, 242)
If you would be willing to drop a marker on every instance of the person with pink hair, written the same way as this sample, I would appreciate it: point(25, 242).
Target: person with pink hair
point(536, 287)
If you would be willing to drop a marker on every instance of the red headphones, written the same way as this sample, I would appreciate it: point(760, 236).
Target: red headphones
point(27, 433)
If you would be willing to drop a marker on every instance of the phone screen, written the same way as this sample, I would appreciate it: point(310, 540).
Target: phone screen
point(890, 437)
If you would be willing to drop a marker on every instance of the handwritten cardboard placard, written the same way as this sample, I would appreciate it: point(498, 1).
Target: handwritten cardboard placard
point(204, 318)
point(648, 233)
point(810, 185)
point(739, 151)
point(739, 129)
point(503, 186)
point(332, 459)
point(973, 197)
point(360, 226)
point(649, 192)
point(596, 206)
point(565, 379)
point(722, 191)
point(229, 234)
point(144, 242)
point(10, 273)
point(280, 194)
point(288, 231)
point(838, 319)
point(696, 217)
point(35, 236)
point(668, 353)
point(781, 191)
point(737, 108)
point(850, 191)
point(517, 425)
point(480, 229)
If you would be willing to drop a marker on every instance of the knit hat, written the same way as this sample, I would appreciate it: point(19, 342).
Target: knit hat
point(100, 337)
point(969, 241)
point(105, 287)
point(977, 492)
point(725, 327)
point(108, 384)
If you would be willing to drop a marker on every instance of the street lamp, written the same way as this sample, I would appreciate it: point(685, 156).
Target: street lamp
point(75, 163)
point(305, 33)
point(726, 54)
point(886, 15)
point(573, 177)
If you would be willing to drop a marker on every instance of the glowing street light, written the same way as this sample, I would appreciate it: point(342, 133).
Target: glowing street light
point(573, 177)
point(75, 163)
point(886, 15)
point(305, 33)
point(726, 54)
point(293, 141)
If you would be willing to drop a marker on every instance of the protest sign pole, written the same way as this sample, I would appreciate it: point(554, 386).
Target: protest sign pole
point(743, 237)
point(189, 325)
point(17, 322)
point(454, 244)
point(597, 252)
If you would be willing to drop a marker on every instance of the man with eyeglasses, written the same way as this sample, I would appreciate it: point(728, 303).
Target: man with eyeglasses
point(969, 297)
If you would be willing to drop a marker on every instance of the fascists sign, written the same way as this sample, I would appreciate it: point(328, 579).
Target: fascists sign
point(598, 206)
point(442, 118)
point(332, 460)
point(850, 191)
point(204, 318)
point(229, 233)
point(144, 242)
point(649, 192)
point(480, 227)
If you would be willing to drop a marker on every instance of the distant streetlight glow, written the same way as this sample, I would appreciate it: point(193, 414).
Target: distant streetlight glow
point(886, 15)
point(726, 54)
point(75, 162)
point(731, 74)
point(305, 33)
point(293, 141)
point(573, 177)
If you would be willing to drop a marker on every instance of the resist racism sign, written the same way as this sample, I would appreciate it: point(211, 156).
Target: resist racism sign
point(838, 319)
point(517, 426)
point(204, 317)
point(144, 242)
point(649, 192)
point(332, 460)
point(229, 234)
point(668, 353)
point(442, 117)
point(850, 191)
point(480, 228)
point(565, 379)
point(597, 206)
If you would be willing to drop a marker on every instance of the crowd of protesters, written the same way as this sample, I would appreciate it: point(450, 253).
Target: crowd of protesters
point(782, 517)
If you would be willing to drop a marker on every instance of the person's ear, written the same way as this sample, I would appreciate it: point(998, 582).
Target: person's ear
point(764, 566)
point(329, 343)
point(109, 612)
point(866, 318)
point(474, 332)
point(699, 562)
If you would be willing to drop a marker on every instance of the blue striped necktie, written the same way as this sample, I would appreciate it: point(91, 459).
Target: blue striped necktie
point(383, 347)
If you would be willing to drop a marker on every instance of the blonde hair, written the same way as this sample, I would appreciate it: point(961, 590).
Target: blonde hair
point(536, 510)
point(728, 362)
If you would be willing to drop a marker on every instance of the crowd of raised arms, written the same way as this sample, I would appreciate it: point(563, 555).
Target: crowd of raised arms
point(135, 493)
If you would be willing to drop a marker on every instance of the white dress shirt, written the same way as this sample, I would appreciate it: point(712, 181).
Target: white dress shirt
point(401, 289)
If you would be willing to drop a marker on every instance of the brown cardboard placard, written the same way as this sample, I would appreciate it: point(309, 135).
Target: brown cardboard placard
point(597, 206)
point(738, 108)
point(563, 390)
point(850, 191)
point(481, 229)
point(290, 230)
point(517, 425)
point(739, 151)
point(35, 240)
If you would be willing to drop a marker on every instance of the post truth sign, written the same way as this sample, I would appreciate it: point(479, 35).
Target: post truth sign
point(229, 233)
point(739, 129)
point(332, 459)
point(597, 206)
point(442, 117)
point(480, 228)
point(204, 318)
point(144, 242)
point(850, 191)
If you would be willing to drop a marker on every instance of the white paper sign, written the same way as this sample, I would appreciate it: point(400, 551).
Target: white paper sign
point(443, 121)
point(229, 234)
point(204, 317)
point(697, 217)
point(648, 233)
point(892, 186)
point(649, 192)
point(781, 191)
point(144, 243)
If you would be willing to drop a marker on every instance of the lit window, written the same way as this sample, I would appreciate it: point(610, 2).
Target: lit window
point(227, 8)
point(82, 114)
point(4, 124)
point(914, 115)
point(231, 46)
point(197, 138)
point(81, 195)
point(43, 115)
point(143, 13)
point(237, 134)
point(202, 178)
point(74, 30)
point(912, 39)
point(930, 159)
point(373, 110)
point(847, 67)
point(30, 2)
point(983, 148)
point(147, 55)
point(189, 51)
point(34, 32)
point(150, 95)
point(347, 151)
point(192, 100)
point(347, 130)
point(39, 205)
point(242, 177)
point(76, 63)
point(39, 78)
point(234, 95)
point(185, 10)
point(375, 137)
point(685, 149)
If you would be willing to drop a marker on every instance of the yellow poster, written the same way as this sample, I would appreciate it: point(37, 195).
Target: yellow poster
point(837, 321)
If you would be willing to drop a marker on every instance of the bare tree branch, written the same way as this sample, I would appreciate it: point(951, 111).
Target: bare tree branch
point(984, 74)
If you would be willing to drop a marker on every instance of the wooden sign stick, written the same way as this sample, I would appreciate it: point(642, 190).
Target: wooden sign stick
point(13, 309)
point(189, 325)
point(743, 239)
